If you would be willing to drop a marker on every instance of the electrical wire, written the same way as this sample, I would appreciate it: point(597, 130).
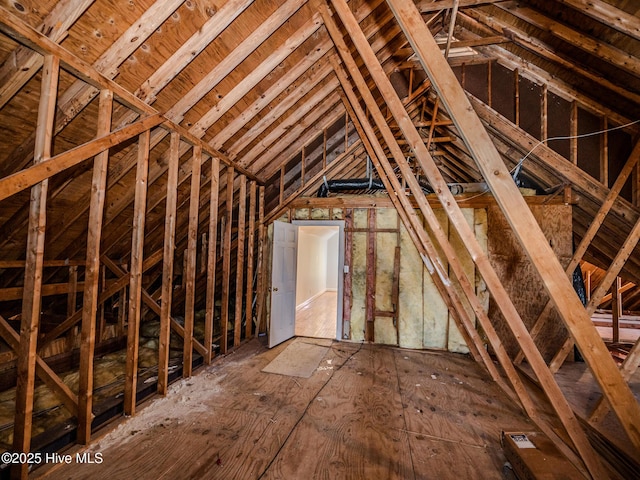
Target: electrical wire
point(517, 168)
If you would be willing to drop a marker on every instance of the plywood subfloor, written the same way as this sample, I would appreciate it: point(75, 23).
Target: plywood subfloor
point(318, 317)
point(366, 412)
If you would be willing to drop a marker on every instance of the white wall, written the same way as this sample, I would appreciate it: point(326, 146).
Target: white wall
point(312, 265)
point(332, 261)
point(317, 261)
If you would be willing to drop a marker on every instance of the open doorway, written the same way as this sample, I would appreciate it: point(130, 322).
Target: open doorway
point(319, 279)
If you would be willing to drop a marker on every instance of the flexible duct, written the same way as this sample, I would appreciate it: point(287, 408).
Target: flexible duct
point(359, 184)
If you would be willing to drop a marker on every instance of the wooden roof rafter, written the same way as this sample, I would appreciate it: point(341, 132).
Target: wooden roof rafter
point(417, 28)
point(602, 49)
point(477, 21)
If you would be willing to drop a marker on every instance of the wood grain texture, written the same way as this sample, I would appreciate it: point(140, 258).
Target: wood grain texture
point(367, 412)
point(318, 317)
point(518, 274)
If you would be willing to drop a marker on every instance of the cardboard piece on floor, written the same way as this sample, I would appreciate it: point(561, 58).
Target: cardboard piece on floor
point(299, 359)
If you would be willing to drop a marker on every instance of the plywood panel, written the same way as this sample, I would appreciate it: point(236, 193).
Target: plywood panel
point(368, 412)
point(519, 277)
point(360, 410)
point(453, 416)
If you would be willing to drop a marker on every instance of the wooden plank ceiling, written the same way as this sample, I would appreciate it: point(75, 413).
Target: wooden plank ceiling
point(253, 80)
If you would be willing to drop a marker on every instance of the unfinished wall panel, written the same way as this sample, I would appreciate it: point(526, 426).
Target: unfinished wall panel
point(411, 321)
point(435, 330)
point(519, 278)
point(455, 341)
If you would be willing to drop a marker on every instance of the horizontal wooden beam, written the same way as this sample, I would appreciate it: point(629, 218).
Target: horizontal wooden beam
point(45, 263)
point(476, 42)
point(16, 293)
point(427, 6)
point(30, 176)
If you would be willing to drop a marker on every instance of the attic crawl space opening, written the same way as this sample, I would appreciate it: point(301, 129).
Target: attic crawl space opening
point(476, 155)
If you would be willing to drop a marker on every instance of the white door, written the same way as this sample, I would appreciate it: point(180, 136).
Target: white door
point(283, 283)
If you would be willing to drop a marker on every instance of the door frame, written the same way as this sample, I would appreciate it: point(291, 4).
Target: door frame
point(340, 224)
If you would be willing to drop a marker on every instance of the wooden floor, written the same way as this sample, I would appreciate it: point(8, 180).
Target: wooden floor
point(367, 412)
point(318, 317)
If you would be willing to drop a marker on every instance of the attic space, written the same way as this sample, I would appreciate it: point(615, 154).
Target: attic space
point(319, 239)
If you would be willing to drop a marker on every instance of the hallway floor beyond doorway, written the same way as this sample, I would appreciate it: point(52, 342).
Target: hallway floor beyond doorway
point(318, 317)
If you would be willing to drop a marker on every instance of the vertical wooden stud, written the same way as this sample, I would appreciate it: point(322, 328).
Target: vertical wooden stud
point(604, 153)
point(167, 265)
point(348, 255)
point(92, 271)
point(489, 80)
point(122, 311)
point(324, 148)
point(302, 167)
point(260, 270)
point(370, 302)
point(72, 293)
point(242, 209)
point(281, 197)
point(31, 301)
point(616, 309)
point(135, 274)
point(516, 102)
point(250, 259)
point(204, 241)
point(190, 271)
point(543, 114)
point(226, 261)
point(573, 133)
point(101, 320)
point(346, 131)
point(211, 259)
